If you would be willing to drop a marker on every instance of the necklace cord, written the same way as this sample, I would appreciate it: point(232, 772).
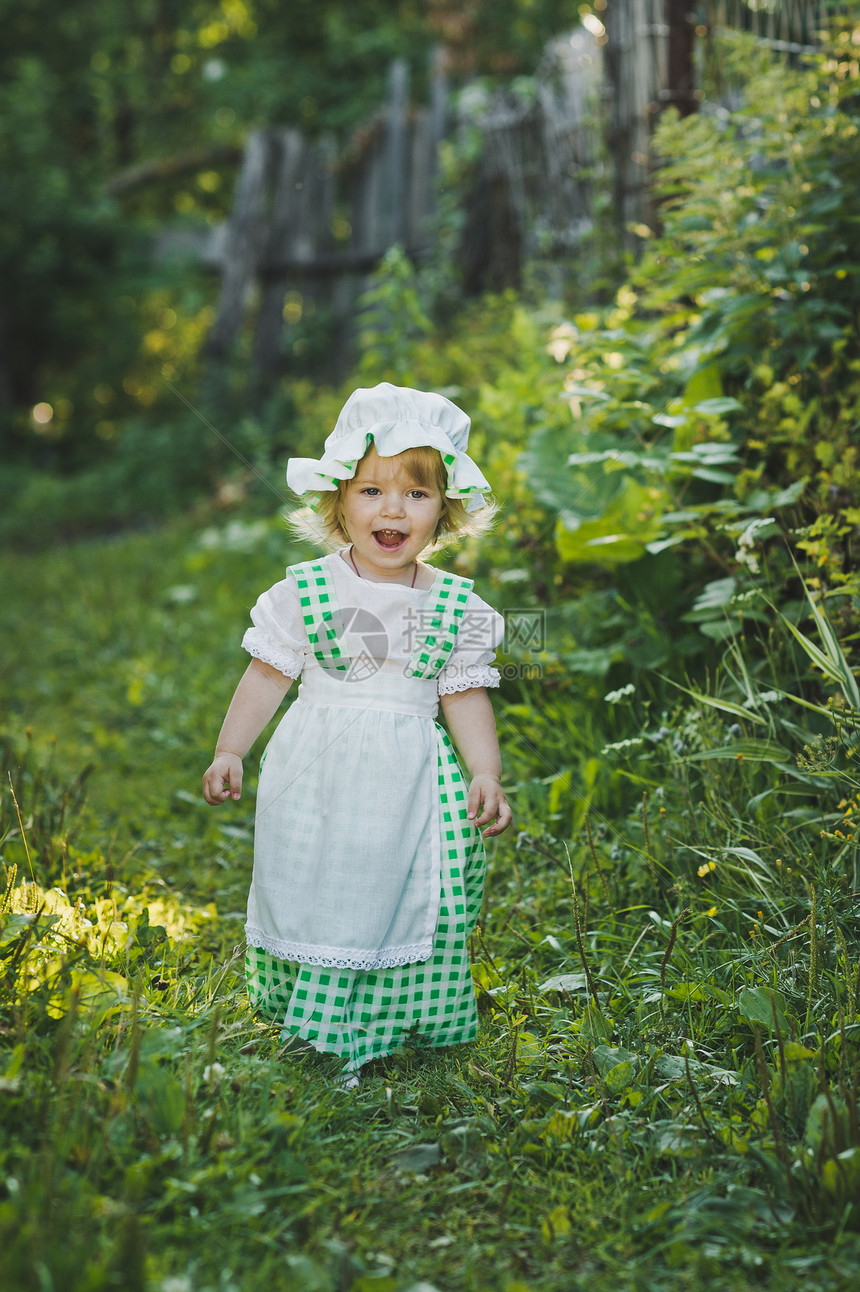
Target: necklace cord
point(361, 576)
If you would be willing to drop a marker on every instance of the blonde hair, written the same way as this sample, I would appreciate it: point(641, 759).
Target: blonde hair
point(322, 521)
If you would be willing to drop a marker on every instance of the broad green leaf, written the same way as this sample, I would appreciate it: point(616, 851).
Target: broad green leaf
point(418, 1157)
point(709, 454)
point(841, 1175)
point(716, 451)
point(718, 407)
point(617, 458)
point(619, 534)
point(766, 1006)
point(821, 1133)
point(663, 544)
point(562, 1125)
point(584, 392)
point(712, 476)
point(594, 1025)
point(747, 854)
point(620, 1077)
point(595, 662)
point(607, 1057)
point(565, 982)
point(15, 925)
point(556, 1225)
point(673, 1067)
point(786, 497)
point(796, 1053)
point(545, 1094)
point(697, 991)
point(99, 990)
point(706, 383)
point(718, 592)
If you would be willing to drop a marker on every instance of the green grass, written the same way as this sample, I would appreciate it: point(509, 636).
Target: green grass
point(663, 1093)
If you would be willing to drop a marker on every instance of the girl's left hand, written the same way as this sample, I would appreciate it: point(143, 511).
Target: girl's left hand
point(485, 792)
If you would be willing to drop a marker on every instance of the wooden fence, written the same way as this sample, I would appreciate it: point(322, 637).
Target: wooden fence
point(655, 55)
point(311, 221)
point(532, 196)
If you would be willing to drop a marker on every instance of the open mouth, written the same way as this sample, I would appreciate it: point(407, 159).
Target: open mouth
point(390, 539)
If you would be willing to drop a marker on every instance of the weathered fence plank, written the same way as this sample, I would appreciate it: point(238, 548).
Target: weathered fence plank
point(528, 191)
point(532, 196)
point(242, 244)
point(279, 245)
point(397, 127)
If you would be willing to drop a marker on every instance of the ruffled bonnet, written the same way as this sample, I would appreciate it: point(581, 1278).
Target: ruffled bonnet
point(393, 418)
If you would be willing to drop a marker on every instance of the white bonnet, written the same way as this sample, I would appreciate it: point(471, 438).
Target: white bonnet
point(393, 418)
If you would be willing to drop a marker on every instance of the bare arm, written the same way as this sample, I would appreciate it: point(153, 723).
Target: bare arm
point(255, 701)
point(469, 716)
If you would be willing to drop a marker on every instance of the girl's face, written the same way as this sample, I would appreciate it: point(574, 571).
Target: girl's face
point(389, 517)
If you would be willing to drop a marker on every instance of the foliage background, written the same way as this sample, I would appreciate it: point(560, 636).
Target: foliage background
point(664, 1092)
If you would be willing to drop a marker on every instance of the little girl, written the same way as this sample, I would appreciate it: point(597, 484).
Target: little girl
point(368, 854)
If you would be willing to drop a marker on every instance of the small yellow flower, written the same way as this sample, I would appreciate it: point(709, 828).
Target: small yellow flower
point(706, 869)
point(712, 912)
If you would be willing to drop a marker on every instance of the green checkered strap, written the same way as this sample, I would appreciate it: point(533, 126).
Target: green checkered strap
point(320, 613)
point(439, 624)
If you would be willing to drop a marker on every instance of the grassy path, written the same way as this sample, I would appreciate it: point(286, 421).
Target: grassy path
point(642, 1108)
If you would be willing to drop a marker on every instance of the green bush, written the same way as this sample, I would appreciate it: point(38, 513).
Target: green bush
point(715, 407)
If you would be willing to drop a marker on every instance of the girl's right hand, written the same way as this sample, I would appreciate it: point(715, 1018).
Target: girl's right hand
point(223, 779)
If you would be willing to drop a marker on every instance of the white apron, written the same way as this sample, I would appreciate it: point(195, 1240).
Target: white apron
point(347, 847)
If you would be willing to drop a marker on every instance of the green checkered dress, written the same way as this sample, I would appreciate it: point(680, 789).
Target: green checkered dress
point(363, 1014)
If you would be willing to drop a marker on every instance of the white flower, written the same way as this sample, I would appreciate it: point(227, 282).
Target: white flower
point(612, 697)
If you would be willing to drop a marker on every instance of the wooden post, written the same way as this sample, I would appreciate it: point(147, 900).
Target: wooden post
point(242, 246)
point(635, 62)
point(368, 199)
point(420, 189)
point(317, 209)
point(438, 120)
point(679, 82)
point(398, 109)
point(279, 246)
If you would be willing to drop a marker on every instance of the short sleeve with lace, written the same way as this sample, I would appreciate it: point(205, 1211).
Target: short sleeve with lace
point(481, 631)
point(278, 636)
